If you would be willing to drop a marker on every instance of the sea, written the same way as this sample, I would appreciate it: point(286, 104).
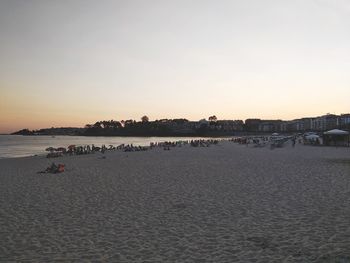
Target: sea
point(12, 146)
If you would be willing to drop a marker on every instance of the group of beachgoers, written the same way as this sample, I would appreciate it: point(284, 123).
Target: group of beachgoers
point(194, 143)
point(87, 149)
point(203, 143)
point(77, 150)
point(250, 140)
point(256, 141)
point(132, 148)
point(275, 141)
point(262, 141)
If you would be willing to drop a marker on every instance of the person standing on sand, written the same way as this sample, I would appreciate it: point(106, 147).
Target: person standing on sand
point(293, 142)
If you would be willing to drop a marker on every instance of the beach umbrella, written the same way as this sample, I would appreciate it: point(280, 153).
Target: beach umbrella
point(310, 133)
point(336, 137)
point(275, 134)
point(312, 137)
point(336, 132)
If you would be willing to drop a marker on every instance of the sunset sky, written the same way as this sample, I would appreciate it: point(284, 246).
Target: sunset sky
point(68, 63)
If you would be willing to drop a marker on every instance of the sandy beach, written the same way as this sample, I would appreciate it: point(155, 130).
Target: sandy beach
point(224, 203)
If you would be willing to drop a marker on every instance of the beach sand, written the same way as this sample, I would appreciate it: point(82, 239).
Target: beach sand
point(225, 203)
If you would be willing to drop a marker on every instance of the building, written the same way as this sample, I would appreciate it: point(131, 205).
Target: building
point(230, 125)
point(325, 122)
point(344, 121)
point(270, 126)
point(252, 125)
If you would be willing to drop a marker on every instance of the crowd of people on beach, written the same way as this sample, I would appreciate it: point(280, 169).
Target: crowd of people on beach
point(203, 143)
point(76, 150)
point(275, 141)
point(193, 143)
point(255, 141)
point(132, 148)
point(87, 149)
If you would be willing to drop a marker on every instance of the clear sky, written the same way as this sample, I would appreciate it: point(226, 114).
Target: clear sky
point(68, 63)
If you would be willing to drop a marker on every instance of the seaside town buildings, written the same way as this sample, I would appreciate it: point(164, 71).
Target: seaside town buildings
point(318, 124)
point(203, 127)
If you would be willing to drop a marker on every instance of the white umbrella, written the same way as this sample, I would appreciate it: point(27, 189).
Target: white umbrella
point(336, 132)
point(309, 133)
point(312, 137)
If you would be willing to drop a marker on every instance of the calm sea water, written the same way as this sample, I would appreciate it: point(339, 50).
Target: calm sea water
point(20, 146)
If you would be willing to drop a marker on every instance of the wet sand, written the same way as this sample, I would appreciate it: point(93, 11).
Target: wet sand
point(225, 203)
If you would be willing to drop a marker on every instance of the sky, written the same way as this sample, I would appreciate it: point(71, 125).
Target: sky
point(69, 63)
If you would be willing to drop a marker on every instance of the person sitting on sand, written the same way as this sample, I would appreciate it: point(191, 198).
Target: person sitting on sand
point(53, 168)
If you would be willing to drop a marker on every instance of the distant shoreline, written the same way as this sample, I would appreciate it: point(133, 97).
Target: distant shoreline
point(20, 146)
point(160, 136)
point(124, 135)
